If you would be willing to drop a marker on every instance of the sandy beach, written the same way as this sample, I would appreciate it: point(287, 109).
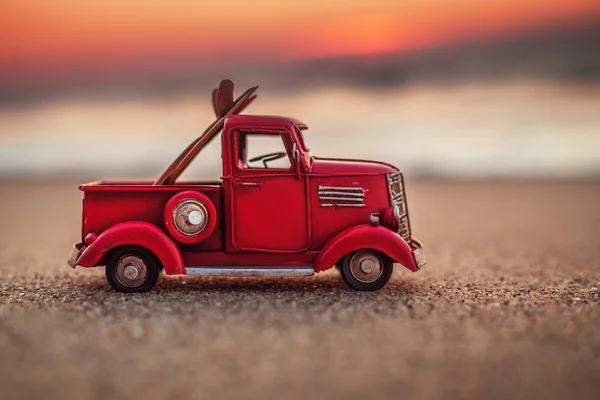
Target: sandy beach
point(508, 307)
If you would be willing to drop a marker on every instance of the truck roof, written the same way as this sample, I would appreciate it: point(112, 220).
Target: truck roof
point(265, 121)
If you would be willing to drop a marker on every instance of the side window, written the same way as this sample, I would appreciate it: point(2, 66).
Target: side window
point(258, 151)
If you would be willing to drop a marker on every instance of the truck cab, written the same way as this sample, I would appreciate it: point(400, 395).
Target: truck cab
point(276, 211)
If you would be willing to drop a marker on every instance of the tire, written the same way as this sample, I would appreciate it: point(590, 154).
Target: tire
point(132, 269)
point(366, 270)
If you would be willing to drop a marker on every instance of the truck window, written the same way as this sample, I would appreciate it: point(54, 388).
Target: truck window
point(256, 151)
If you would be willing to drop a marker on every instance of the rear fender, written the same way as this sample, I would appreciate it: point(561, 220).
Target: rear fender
point(134, 233)
point(366, 237)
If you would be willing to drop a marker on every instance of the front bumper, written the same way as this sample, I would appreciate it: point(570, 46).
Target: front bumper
point(417, 252)
point(75, 253)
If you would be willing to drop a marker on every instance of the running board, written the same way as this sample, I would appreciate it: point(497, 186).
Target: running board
point(221, 271)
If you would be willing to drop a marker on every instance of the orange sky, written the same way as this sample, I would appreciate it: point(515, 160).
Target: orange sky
point(40, 35)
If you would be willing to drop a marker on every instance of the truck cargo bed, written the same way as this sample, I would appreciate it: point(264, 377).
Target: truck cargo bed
point(108, 203)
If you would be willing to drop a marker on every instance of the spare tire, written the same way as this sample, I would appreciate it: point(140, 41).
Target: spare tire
point(190, 217)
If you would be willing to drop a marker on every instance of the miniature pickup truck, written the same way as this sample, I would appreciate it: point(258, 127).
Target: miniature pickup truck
point(284, 213)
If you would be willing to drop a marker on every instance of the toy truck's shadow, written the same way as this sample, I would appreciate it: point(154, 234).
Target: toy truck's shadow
point(330, 284)
point(250, 284)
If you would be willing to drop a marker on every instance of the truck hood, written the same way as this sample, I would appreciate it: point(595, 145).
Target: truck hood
point(333, 166)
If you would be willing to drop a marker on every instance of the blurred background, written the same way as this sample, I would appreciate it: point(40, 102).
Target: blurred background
point(482, 93)
point(456, 89)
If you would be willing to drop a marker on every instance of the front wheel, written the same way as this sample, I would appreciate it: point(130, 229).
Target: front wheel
point(132, 269)
point(366, 270)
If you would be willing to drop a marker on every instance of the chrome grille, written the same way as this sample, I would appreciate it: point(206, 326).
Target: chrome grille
point(398, 199)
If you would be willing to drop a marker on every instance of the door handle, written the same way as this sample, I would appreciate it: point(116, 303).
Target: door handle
point(237, 182)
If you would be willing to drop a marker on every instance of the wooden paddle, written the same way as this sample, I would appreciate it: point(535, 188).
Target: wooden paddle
point(224, 106)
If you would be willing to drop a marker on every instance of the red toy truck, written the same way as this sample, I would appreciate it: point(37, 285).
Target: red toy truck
point(284, 213)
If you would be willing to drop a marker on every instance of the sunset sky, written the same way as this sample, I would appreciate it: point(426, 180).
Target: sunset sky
point(47, 37)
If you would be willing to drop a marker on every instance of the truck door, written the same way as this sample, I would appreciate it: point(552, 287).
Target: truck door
point(269, 207)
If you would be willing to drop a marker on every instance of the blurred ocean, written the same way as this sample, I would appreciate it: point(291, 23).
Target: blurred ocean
point(492, 129)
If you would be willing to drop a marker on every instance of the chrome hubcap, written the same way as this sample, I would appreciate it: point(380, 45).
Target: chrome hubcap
point(366, 266)
point(195, 217)
point(131, 271)
point(190, 217)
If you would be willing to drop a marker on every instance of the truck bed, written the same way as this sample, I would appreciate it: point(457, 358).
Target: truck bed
point(146, 185)
point(108, 203)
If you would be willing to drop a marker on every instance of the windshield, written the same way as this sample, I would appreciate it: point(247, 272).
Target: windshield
point(299, 138)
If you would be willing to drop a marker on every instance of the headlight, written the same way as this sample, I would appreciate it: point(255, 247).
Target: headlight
point(390, 218)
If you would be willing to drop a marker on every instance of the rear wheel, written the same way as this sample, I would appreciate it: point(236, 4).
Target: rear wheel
point(366, 269)
point(132, 269)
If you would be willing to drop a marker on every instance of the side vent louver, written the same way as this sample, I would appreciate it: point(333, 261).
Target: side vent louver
point(340, 196)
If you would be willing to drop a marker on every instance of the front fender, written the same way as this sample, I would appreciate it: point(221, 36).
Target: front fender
point(134, 233)
point(366, 237)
